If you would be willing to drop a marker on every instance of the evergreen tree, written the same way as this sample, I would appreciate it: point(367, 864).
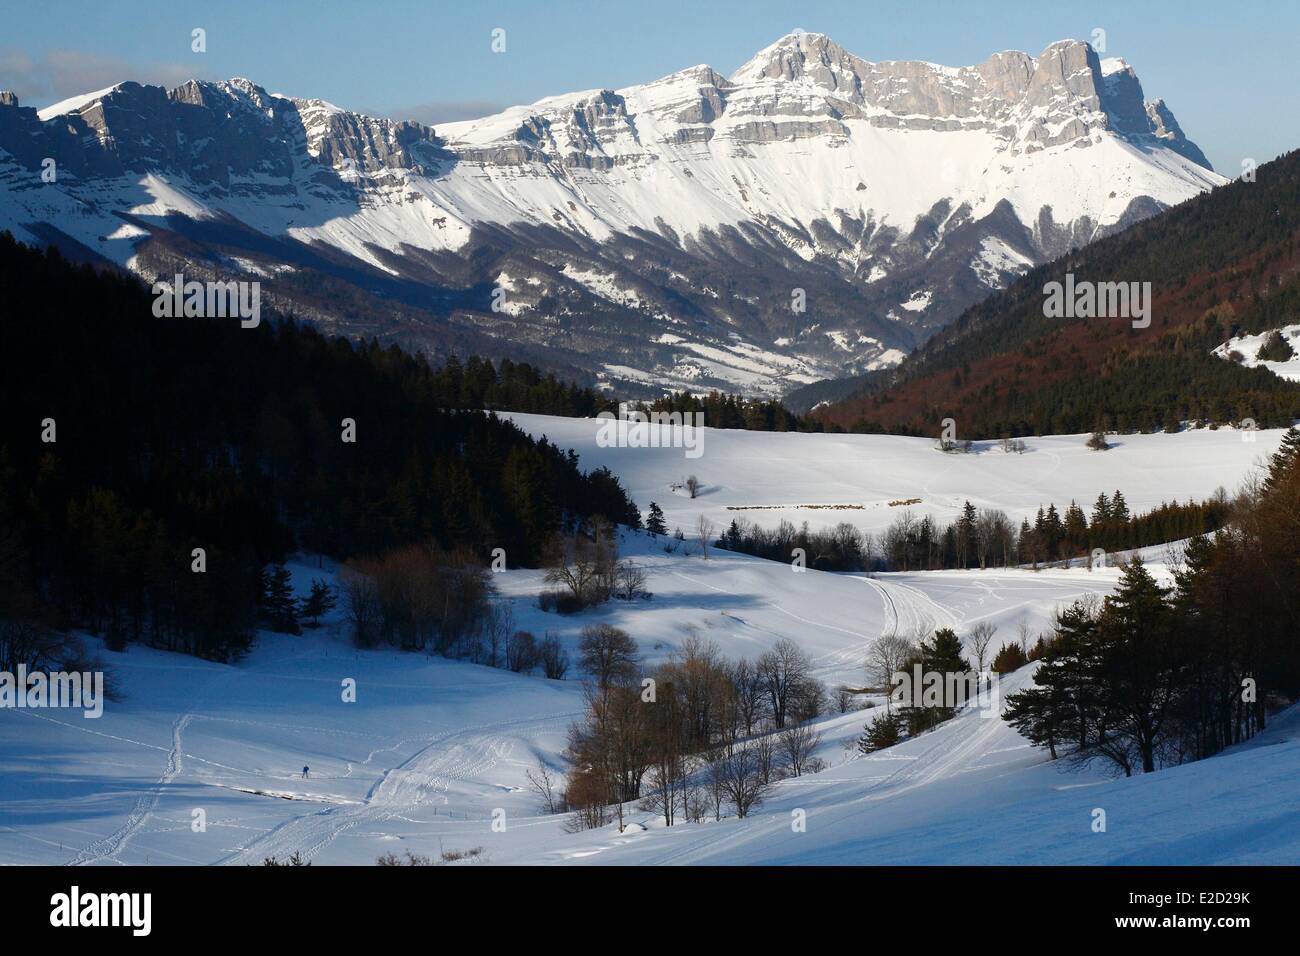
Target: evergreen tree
point(278, 606)
point(1009, 658)
point(321, 601)
point(1283, 461)
point(655, 522)
point(941, 655)
point(1275, 349)
point(885, 731)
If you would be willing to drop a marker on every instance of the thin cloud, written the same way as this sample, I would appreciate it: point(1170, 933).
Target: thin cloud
point(58, 74)
point(446, 111)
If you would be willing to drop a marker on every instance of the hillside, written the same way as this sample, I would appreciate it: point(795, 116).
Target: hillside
point(825, 479)
point(1220, 265)
point(433, 747)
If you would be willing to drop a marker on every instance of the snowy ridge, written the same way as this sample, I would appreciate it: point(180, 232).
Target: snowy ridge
point(868, 185)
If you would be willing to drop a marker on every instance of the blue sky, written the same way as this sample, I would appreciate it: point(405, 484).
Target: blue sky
point(1228, 71)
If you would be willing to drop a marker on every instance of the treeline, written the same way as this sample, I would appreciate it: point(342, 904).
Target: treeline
point(514, 387)
point(151, 468)
point(842, 548)
point(1154, 676)
point(1159, 390)
point(981, 537)
point(689, 737)
point(735, 411)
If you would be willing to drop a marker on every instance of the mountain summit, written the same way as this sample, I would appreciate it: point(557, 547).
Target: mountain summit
point(814, 214)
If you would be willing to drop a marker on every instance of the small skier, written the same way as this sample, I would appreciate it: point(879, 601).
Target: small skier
point(305, 771)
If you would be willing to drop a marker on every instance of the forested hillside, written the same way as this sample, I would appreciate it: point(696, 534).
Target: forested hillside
point(1219, 264)
point(129, 441)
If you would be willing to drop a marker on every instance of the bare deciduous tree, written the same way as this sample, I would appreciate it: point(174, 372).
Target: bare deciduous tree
point(542, 782)
point(784, 669)
point(607, 654)
point(742, 776)
point(555, 660)
point(886, 656)
point(798, 746)
point(703, 535)
point(981, 637)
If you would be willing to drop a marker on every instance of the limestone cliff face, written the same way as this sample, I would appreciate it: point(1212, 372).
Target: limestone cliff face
point(652, 234)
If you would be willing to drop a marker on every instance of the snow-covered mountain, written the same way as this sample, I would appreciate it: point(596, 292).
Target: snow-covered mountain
point(813, 214)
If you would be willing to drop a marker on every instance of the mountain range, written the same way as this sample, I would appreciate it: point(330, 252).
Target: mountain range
point(811, 216)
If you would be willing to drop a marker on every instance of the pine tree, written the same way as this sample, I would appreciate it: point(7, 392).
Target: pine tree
point(1009, 658)
point(1283, 461)
point(965, 534)
point(941, 655)
point(884, 731)
point(321, 601)
point(279, 609)
point(1275, 349)
point(655, 522)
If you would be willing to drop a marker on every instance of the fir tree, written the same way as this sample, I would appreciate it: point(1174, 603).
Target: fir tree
point(321, 601)
point(884, 731)
point(655, 522)
point(279, 609)
point(1275, 349)
point(1283, 461)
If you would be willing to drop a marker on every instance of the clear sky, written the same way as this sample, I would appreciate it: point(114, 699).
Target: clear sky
point(1229, 71)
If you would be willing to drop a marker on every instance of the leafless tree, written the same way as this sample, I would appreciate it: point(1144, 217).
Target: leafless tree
point(629, 581)
point(498, 624)
point(584, 563)
point(798, 746)
point(742, 780)
point(543, 783)
point(886, 656)
point(981, 637)
point(555, 660)
point(1022, 634)
point(703, 535)
point(784, 669)
point(750, 695)
point(361, 599)
point(522, 652)
point(607, 654)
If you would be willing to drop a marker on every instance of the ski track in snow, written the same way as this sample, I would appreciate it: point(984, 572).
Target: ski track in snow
point(458, 755)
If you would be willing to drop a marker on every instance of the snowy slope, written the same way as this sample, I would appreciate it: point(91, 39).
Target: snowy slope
point(433, 747)
point(1248, 346)
point(765, 477)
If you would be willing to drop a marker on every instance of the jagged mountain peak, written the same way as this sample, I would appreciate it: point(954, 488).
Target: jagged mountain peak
point(659, 226)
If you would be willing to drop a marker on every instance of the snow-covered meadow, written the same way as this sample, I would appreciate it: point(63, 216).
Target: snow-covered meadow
point(432, 748)
point(863, 479)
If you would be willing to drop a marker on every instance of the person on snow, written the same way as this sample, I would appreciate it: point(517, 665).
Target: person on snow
point(304, 772)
